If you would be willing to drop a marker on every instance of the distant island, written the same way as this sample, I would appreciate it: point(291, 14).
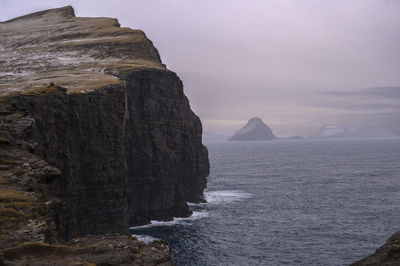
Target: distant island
point(293, 138)
point(254, 130)
point(346, 131)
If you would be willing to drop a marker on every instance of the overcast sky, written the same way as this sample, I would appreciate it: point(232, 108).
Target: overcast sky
point(296, 64)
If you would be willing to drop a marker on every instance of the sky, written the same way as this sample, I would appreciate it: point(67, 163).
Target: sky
point(298, 65)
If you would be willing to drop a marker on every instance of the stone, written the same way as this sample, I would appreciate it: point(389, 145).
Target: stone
point(386, 255)
point(96, 129)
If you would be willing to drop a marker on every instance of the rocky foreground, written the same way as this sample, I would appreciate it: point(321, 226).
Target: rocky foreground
point(386, 255)
point(96, 135)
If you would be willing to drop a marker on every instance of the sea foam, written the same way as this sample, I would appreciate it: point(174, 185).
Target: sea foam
point(225, 196)
point(181, 221)
point(212, 197)
point(145, 238)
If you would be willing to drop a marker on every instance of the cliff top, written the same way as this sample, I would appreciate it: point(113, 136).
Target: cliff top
point(80, 54)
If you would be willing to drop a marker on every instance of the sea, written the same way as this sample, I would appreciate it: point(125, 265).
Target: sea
point(289, 202)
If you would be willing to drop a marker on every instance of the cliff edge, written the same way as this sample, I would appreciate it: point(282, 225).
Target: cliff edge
point(96, 135)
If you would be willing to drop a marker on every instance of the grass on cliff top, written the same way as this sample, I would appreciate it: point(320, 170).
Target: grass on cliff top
point(41, 90)
point(38, 90)
point(40, 249)
point(76, 81)
point(14, 205)
point(11, 195)
point(10, 215)
point(4, 181)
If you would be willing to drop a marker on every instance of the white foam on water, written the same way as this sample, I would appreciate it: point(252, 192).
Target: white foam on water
point(181, 221)
point(225, 196)
point(145, 238)
point(212, 197)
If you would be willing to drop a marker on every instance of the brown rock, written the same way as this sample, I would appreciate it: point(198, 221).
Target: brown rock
point(386, 255)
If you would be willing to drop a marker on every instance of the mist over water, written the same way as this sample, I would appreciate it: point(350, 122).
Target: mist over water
point(290, 202)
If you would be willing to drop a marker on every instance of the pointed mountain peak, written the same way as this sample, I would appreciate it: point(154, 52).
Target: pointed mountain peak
point(255, 129)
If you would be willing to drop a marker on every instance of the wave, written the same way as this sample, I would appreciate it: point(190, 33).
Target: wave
point(212, 197)
point(145, 238)
point(181, 221)
point(225, 196)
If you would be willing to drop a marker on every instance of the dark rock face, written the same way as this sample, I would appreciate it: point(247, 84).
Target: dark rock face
point(122, 164)
point(113, 135)
point(166, 162)
point(255, 129)
point(388, 254)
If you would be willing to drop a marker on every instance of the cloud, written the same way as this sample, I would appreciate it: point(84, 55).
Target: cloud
point(386, 121)
point(380, 92)
point(362, 107)
point(245, 58)
point(376, 108)
point(369, 99)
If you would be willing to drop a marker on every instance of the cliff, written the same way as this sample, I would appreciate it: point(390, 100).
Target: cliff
point(255, 129)
point(96, 134)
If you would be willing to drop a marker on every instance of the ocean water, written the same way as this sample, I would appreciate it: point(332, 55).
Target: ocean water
point(289, 203)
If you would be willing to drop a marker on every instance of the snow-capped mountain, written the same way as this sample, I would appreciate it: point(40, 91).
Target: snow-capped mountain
point(345, 131)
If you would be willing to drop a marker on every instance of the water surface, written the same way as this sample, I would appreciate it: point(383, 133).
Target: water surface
point(290, 203)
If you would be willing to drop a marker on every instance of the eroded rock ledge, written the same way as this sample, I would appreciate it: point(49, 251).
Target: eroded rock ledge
point(96, 135)
point(387, 255)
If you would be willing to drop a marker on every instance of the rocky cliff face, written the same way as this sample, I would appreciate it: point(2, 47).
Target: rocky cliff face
point(102, 131)
point(388, 254)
